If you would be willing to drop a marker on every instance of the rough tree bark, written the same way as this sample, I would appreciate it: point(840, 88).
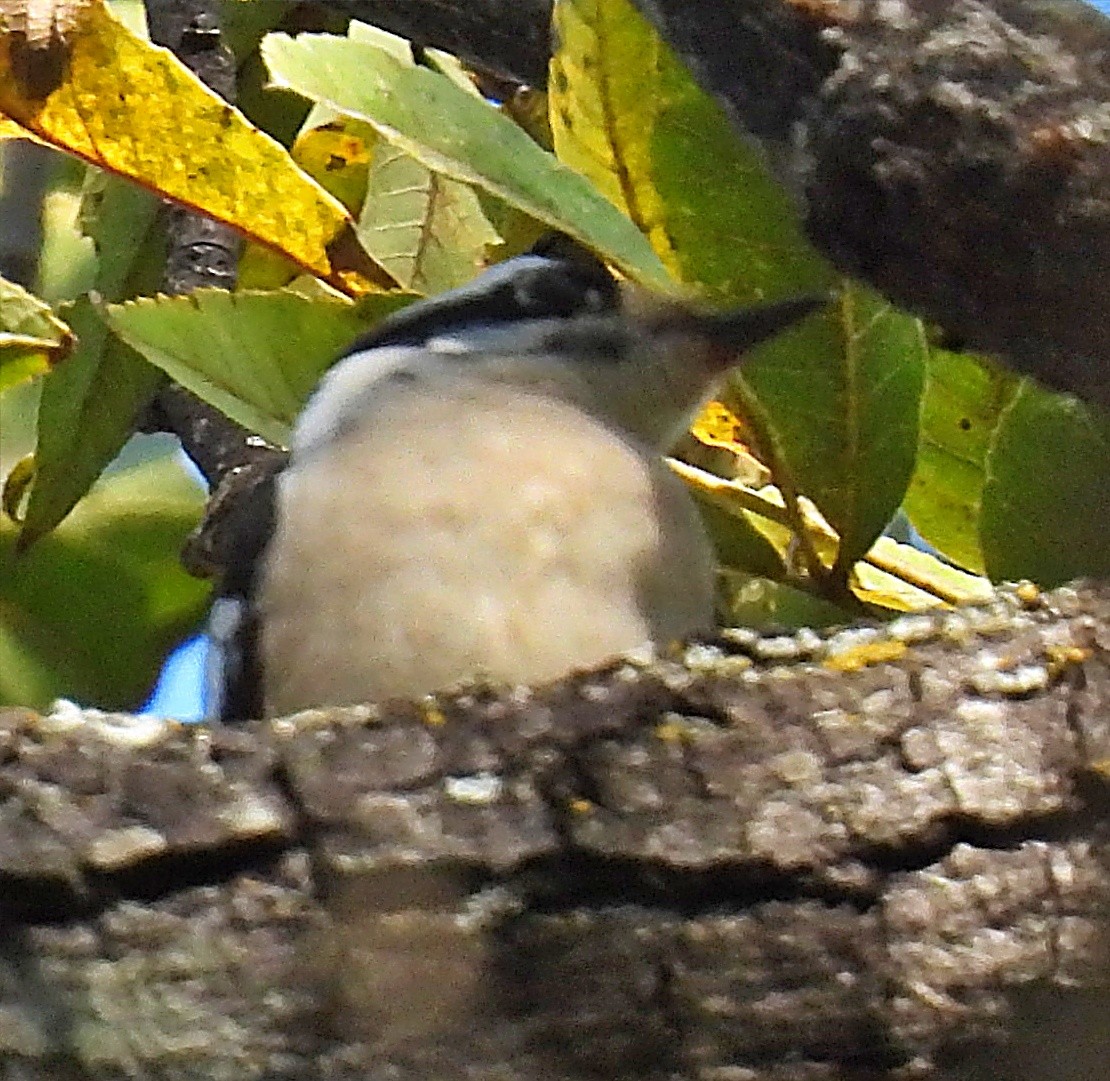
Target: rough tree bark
point(882, 854)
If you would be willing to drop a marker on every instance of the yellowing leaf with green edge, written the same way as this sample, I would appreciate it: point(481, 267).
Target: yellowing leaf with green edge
point(1046, 499)
point(734, 496)
point(738, 542)
point(91, 611)
point(628, 114)
point(254, 356)
point(765, 531)
point(32, 338)
point(900, 577)
point(337, 156)
point(965, 398)
point(335, 151)
point(602, 121)
point(136, 110)
point(893, 576)
point(454, 133)
point(427, 230)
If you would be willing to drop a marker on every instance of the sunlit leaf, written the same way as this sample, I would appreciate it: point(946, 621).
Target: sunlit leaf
point(336, 154)
point(901, 577)
point(1046, 500)
point(964, 401)
point(892, 576)
point(426, 229)
point(627, 113)
point(32, 338)
point(453, 133)
point(602, 121)
point(136, 110)
point(254, 356)
point(763, 531)
point(90, 612)
point(727, 507)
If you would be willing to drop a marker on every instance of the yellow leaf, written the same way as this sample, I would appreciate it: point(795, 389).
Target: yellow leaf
point(135, 110)
point(601, 120)
point(336, 154)
point(889, 561)
point(894, 576)
point(732, 496)
point(718, 426)
point(765, 509)
point(9, 129)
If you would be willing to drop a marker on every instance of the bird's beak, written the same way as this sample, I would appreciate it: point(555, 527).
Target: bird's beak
point(735, 332)
point(719, 339)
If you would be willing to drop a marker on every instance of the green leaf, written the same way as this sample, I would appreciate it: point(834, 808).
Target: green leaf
point(1046, 500)
point(254, 356)
point(453, 133)
point(88, 409)
point(67, 257)
point(750, 601)
point(427, 230)
point(90, 404)
point(734, 229)
point(964, 401)
point(91, 611)
point(839, 398)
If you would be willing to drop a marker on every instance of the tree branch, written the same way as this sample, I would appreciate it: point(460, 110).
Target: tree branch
point(202, 252)
point(774, 859)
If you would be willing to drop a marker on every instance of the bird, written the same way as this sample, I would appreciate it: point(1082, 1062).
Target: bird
point(476, 490)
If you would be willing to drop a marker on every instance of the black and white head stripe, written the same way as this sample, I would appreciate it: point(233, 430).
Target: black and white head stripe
point(532, 286)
